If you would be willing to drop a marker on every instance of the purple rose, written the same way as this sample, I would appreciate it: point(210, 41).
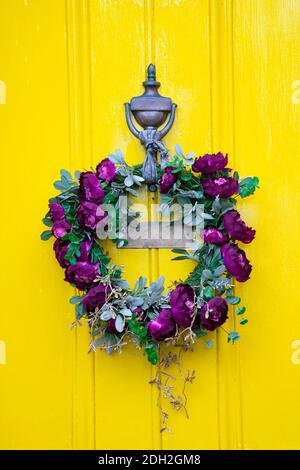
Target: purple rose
point(223, 187)
point(96, 297)
point(237, 228)
point(167, 180)
point(88, 216)
point(61, 249)
point(214, 236)
point(236, 262)
point(60, 228)
point(210, 163)
point(111, 326)
point(82, 274)
point(106, 170)
point(89, 188)
point(56, 211)
point(214, 313)
point(163, 327)
point(182, 304)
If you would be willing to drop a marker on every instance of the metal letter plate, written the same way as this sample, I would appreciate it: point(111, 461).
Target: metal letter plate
point(160, 235)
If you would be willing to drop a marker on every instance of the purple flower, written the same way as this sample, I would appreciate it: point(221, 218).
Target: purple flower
point(214, 313)
point(88, 215)
point(61, 249)
point(163, 327)
point(89, 188)
point(214, 236)
point(106, 170)
point(60, 228)
point(167, 180)
point(236, 262)
point(223, 187)
point(111, 326)
point(237, 228)
point(210, 163)
point(56, 211)
point(96, 297)
point(182, 304)
point(82, 274)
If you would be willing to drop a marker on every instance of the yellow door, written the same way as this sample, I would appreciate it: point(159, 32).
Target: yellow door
point(66, 68)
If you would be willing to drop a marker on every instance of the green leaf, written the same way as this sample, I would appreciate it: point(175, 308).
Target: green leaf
point(208, 293)
point(47, 222)
point(233, 336)
point(152, 355)
point(233, 300)
point(248, 186)
point(76, 299)
point(209, 344)
point(46, 235)
point(179, 251)
point(178, 150)
point(240, 311)
point(138, 329)
point(229, 291)
point(219, 270)
point(79, 311)
point(186, 176)
point(243, 321)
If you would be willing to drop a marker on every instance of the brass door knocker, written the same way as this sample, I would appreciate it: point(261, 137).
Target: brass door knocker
point(151, 110)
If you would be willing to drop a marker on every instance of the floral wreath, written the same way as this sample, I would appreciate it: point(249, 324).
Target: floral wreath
point(148, 314)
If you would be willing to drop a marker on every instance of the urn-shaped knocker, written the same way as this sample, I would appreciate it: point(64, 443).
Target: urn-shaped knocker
point(151, 111)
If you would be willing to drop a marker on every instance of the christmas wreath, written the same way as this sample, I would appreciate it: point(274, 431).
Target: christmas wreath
point(150, 314)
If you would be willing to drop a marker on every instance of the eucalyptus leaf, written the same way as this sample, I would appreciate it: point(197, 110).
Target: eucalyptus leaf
point(126, 312)
point(122, 284)
point(240, 311)
point(137, 179)
point(219, 270)
point(117, 158)
point(129, 181)
point(76, 299)
point(233, 336)
point(106, 315)
point(119, 323)
point(233, 300)
point(79, 311)
point(66, 174)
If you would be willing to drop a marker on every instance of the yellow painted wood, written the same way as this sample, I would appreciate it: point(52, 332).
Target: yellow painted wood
point(36, 398)
point(66, 69)
point(266, 63)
